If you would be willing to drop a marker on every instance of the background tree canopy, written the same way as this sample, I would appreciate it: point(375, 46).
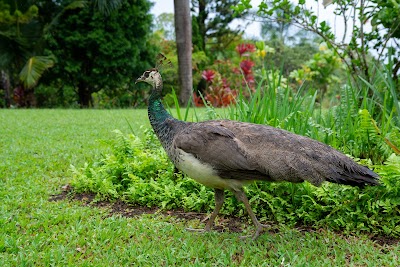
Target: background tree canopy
point(96, 51)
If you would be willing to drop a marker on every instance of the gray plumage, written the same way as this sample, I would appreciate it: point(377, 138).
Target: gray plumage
point(247, 151)
point(225, 154)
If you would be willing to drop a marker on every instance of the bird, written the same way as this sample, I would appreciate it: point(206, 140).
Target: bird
point(227, 155)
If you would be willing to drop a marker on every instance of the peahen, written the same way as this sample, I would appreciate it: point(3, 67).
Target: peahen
point(225, 154)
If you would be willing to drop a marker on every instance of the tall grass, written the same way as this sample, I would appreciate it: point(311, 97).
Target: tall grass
point(364, 123)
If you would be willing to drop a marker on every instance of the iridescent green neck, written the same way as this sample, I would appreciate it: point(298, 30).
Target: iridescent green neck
point(164, 125)
point(156, 110)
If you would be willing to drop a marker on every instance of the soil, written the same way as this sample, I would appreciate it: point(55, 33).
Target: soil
point(225, 223)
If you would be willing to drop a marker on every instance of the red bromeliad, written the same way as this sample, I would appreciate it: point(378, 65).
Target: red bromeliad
point(208, 75)
point(244, 48)
point(246, 66)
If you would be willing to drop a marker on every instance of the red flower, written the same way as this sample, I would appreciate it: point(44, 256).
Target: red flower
point(246, 66)
point(250, 78)
point(236, 70)
point(225, 84)
point(208, 75)
point(198, 101)
point(243, 48)
point(251, 47)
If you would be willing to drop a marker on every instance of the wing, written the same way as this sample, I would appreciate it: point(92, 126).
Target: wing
point(216, 145)
point(248, 151)
point(286, 156)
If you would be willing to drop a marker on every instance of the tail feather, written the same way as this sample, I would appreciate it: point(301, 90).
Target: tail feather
point(355, 175)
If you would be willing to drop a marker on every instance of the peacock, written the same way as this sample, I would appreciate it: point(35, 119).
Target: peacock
point(226, 155)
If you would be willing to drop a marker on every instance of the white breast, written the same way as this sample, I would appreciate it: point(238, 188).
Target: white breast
point(204, 173)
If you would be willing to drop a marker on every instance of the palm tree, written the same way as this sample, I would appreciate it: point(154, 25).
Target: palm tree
point(20, 35)
point(183, 30)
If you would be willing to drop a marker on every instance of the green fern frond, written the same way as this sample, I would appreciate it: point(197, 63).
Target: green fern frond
point(366, 129)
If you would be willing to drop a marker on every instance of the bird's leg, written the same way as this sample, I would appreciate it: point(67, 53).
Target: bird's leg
point(219, 196)
point(241, 196)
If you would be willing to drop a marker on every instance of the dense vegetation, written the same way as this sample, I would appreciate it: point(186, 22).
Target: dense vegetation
point(138, 171)
point(347, 98)
point(37, 149)
point(59, 53)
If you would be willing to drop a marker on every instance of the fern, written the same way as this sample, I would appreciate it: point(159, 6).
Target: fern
point(390, 173)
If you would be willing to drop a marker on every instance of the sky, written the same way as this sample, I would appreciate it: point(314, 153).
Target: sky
point(253, 30)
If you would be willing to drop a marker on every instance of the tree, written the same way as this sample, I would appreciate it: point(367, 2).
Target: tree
point(22, 61)
point(23, 26)
point(354, 52)
point(96, 51)
point(165, 24)
point(183, 30)
point(293, 46)
point(211, 21)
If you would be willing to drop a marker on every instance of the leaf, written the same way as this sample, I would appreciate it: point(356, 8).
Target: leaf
point(34, 68)
point(106, 7)
point(76, 4)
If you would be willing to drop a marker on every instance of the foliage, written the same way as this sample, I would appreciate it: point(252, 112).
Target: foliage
point(221, 83)
point(55, 97)
point(21, 53)
point(34, 69)
point(218, 91)
point(211, 24)
point(256, 61)
point(354, 52)
point(165, 25)
point(139, 172)
point(24, 53)
point(36, 231)
point(109, 54)
point(320, 70)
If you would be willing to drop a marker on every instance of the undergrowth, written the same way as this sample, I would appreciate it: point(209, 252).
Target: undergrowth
point(139, 172)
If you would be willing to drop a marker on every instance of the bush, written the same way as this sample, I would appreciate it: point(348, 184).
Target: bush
point(139, 172)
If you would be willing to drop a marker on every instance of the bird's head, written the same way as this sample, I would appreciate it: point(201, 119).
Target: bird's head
point(152, 77)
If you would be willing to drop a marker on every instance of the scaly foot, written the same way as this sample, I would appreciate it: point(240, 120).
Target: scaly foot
point(259, 230)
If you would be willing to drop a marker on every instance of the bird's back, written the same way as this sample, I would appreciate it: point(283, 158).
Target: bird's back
point(247, 151)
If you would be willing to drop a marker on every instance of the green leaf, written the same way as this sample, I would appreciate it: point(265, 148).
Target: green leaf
point(34, 68)
point(106, 7)
point(314, 19)
point(76, 4)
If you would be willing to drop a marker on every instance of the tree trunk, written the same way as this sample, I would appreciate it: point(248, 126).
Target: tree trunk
point(183, 30)
point(85, 96)
point(6, 86)
point(202, 23)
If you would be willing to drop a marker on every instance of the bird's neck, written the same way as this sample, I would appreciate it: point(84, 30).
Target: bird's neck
point(164, 125)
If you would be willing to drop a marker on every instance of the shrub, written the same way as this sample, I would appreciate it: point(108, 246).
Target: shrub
point(139, 172)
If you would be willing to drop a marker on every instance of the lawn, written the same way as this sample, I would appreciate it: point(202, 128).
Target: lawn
point(37, 148)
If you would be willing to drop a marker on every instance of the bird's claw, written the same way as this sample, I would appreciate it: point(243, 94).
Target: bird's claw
point(259, 230)
point(198, 230)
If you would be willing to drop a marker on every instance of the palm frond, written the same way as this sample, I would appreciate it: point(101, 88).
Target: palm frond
point(34, 68)
point(76, 4)
point(12, 48)
point(106, 7)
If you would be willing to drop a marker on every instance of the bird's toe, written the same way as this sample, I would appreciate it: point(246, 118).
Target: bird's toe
point(198, 230)
point(259, 230)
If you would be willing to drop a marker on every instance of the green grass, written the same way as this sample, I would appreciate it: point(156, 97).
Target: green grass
point(37, 148)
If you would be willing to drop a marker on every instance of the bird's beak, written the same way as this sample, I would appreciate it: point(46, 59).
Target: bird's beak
point(140, 79)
